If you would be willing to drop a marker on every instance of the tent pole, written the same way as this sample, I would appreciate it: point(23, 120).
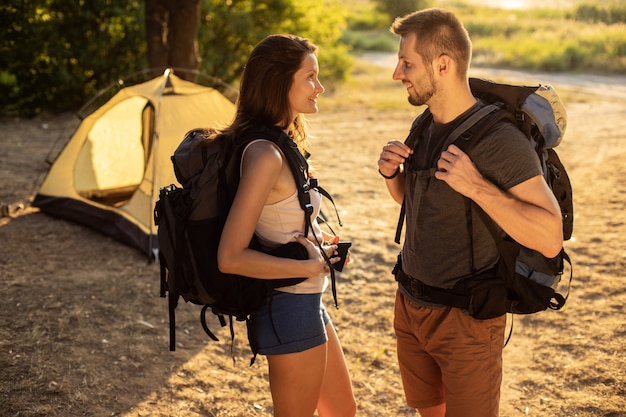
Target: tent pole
point(152, 253)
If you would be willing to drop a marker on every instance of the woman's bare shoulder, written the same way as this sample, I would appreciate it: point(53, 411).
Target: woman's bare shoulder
point(262, 154)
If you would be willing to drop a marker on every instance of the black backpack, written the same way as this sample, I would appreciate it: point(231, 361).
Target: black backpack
point(530, 279)
point(190, 222)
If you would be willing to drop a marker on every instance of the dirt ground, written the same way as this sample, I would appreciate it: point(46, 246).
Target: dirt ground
point(83, 331)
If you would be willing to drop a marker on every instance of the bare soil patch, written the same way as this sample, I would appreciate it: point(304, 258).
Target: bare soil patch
point(84, 333)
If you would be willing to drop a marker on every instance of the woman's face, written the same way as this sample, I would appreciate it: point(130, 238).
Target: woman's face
point(306, 87)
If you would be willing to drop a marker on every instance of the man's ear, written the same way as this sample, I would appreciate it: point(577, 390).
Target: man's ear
point(443, 64)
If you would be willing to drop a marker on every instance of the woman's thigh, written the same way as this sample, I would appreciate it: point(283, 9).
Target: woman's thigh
point(336, 397)
point(296, 381)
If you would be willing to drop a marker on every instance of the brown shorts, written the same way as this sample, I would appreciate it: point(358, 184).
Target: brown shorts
point(448, 357)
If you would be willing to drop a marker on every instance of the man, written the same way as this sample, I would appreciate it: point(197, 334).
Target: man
point(450, 361)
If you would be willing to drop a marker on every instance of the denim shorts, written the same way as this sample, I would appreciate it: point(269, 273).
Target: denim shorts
point(290, 323)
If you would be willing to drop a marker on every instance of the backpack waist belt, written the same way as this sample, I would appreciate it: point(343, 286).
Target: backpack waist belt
point(431, 294)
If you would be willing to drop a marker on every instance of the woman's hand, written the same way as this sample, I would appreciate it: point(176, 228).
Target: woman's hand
point(316, 261)
point(334, 240)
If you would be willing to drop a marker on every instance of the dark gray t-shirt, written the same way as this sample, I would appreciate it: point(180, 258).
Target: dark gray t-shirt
point(437, 242)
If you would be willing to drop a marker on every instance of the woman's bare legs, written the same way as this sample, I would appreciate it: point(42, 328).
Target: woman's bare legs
point(296, 381)
point(336, 398)
point(317, 378)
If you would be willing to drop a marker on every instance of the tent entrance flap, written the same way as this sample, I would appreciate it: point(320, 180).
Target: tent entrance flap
point(112, 161)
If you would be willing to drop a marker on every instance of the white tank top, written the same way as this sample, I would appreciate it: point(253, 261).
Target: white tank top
point(281, 222)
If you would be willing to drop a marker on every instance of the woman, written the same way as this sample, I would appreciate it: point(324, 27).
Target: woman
point(307, 369)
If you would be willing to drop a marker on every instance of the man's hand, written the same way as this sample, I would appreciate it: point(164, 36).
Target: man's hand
point(528, 212)
point(393, 154)
point(458, 171)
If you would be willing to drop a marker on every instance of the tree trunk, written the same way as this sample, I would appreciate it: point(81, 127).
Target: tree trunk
point(157, 17)
point(183, 34)
point(171, 34)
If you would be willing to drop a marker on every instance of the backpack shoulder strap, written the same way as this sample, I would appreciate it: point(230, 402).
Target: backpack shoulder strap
point(420, 124)
point(468, 133)
point(417, 128)
point(295, 159)
point(474, 129)
point(465, 136)
point(492, 114)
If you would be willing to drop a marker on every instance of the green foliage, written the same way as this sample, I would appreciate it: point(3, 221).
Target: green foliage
point(597, 49)
point(611, 13)
point(399, 8)
point(230, 29)
point(537, 39)
point(379, 41)
point(369, 22)
point(485, 28)
point(54, 53)
point(323, 22)
point(546, 41)
point(365, 16)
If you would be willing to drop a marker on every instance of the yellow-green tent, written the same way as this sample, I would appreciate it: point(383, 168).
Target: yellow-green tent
point(109, 174)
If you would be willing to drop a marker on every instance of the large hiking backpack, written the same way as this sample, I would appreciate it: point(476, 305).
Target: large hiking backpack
point(190, 222)
point(530, 279)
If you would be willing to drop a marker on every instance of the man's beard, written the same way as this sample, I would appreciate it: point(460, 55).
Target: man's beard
point(419, 99)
